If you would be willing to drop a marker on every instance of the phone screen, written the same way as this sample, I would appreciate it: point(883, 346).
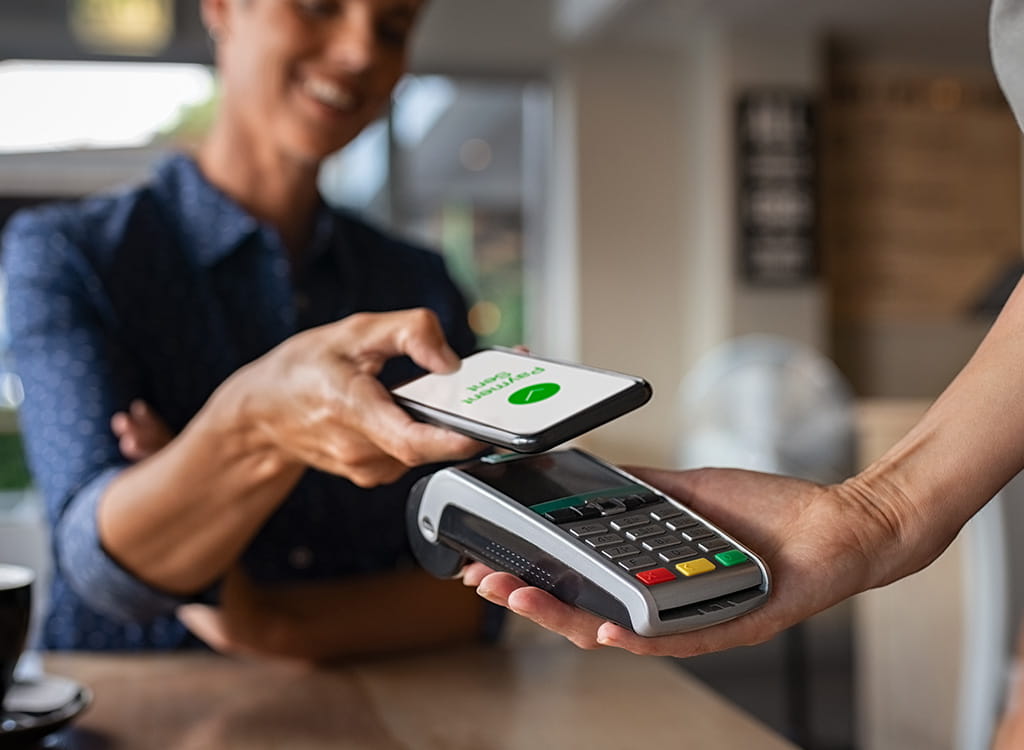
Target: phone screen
point(515, 392)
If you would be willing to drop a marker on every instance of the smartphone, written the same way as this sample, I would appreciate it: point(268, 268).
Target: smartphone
point(522, 402)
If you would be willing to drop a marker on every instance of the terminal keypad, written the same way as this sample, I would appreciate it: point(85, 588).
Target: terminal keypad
point(652, 539)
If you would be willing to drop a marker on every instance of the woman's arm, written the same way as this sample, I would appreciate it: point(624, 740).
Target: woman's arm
point(181, 518)
point(826, 543)
point(315, 621)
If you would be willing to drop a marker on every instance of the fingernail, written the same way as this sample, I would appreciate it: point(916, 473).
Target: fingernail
point(489, 595)
point(452, 359)
point(525, 612)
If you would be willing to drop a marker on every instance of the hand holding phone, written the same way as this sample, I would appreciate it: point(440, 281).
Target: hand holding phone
point(522, 402)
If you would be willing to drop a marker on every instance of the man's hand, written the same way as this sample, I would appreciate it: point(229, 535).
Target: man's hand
point(819, 542)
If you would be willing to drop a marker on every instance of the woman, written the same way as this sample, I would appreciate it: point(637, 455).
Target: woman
point(222, 303)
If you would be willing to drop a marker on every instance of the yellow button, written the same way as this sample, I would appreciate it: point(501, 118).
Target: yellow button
point(695, 567)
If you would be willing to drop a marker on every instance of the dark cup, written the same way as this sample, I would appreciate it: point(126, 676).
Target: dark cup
point(15, 608)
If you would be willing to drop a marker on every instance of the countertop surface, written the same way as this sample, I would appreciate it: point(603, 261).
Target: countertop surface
point(537, 694)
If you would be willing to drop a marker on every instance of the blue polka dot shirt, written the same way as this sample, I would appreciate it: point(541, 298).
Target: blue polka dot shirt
point(160, 292)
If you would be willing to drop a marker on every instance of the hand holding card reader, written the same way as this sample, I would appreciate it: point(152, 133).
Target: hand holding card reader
point(590, 534)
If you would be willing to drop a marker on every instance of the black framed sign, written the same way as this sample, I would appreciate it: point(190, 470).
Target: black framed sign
point(777, 184)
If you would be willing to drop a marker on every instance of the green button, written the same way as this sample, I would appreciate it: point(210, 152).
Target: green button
point(533, 394)
point(730, 558)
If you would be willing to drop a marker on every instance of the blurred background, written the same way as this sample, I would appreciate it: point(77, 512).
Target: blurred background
point(796, 218)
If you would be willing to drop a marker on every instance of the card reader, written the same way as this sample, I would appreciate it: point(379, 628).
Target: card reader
point(589, 533)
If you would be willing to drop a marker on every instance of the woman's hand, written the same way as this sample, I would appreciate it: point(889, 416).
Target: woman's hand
point(315, 398)
point(140, 431)
point(821, 544)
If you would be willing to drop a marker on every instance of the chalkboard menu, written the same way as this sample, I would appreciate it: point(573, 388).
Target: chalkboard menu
point(776, 184)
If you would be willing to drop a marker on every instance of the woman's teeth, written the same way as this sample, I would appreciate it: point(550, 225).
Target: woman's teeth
point(329, 93)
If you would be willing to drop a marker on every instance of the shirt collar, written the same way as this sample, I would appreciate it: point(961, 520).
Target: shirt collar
point(212, 225)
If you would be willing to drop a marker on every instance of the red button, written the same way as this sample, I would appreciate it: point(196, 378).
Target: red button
point(658, 575)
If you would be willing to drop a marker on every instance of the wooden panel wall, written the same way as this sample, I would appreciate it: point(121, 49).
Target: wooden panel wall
point(920, 215)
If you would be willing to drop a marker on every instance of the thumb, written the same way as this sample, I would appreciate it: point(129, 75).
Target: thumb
point(377, 337)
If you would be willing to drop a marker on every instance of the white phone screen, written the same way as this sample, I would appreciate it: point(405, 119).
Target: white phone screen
point(514, 392)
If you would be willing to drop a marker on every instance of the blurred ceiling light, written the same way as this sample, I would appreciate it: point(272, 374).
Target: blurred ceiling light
point(475, 154)
point(128, 27)
point(484, 318)
point(56, 106)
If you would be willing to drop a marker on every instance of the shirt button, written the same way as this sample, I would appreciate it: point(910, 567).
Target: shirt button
point(300, 558)
point(301, 301)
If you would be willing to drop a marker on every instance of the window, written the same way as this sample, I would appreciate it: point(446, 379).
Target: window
point(61, 106)
point(451, 167)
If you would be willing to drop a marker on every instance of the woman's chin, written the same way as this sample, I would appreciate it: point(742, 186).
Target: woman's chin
point(312, 151)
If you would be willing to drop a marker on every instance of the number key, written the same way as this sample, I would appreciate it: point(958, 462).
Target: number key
point(620, 551)
point(660, 542)
point(643, 532)
point(587, 529)
point(662, 514)
point(603, 540)
point(629, 522)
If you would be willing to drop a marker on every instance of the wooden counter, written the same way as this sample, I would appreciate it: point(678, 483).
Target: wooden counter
point(544, 694)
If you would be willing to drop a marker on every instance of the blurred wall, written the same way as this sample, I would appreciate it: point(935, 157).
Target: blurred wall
point(644, 211)
point(625, 129)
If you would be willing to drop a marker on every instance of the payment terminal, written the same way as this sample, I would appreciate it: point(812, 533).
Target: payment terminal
point(590, 534)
